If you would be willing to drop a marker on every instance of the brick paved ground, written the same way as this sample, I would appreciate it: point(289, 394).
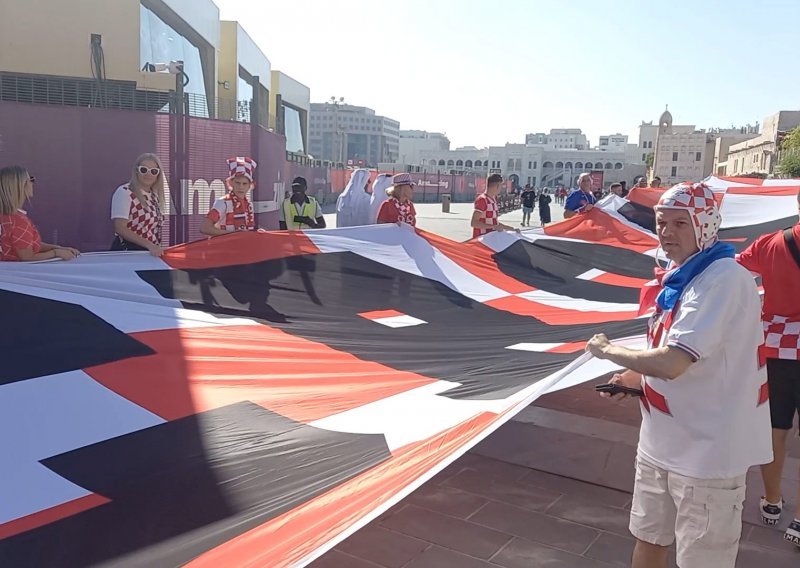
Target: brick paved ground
point(550, 488)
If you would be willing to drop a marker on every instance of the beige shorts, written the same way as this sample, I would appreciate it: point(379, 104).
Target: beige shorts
point(703, 516)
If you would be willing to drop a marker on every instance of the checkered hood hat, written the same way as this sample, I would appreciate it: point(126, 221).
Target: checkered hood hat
point(241, 166)
point(698, 200)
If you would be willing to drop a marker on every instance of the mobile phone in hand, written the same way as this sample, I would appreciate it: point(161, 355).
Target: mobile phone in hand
point(613, 389)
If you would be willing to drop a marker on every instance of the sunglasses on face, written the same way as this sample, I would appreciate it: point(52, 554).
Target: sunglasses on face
point(153, 171)
point(32, 179)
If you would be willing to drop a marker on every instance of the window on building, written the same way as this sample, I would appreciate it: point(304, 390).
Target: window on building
point(159, 43)
point(644, 157)
point(698, 156)
point(535, 165)
point(755, 158)
point(674, 156)
point(530, 167)
point(674, 171)
point(293, 130)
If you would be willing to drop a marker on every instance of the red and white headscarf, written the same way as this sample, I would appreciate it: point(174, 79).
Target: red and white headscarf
point(241, 166)
point(699, 201)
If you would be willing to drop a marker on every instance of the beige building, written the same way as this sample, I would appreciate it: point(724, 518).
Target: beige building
point(722, 147)
point(92, 53)
point(123, 53)
point(682, 152)
point(290, 105)
point(243, 71)
point(760, 155)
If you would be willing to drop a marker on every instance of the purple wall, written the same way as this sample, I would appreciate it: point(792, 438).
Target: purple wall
point(81, 155)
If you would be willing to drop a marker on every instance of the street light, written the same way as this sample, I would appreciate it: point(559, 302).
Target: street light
point(333, 101)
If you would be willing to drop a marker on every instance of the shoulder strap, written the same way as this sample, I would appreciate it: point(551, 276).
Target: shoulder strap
point(790, 242)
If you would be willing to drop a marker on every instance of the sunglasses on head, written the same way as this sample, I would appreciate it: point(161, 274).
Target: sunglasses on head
point(153, 171)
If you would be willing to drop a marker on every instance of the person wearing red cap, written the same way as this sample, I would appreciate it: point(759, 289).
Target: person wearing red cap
point(233, 212)
point(705, 411)
point(776, 257)
point(136, 208)
point(399, 208)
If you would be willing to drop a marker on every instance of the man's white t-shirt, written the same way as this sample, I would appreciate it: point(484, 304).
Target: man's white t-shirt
point(713, 421)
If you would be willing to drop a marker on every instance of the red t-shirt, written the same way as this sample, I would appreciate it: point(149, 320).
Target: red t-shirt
point(770, 257)
point(16, 233)
point(489, 213)
point(392, 211)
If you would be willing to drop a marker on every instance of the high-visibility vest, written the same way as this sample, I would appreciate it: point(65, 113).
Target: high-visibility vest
point(289, 212)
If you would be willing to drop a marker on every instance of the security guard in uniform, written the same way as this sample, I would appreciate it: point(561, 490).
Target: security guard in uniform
point(301, 211)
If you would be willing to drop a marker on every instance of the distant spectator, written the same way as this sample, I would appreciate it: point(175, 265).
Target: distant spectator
point(581, 200)
point(486, 216)
point(300, 211)
point(640, 181)
point(19, 238)
point(655, 182)
point(399, 208)
point(528, 199)
point(616, 189)
point(544, 208)
point(136, 208)
point(233, 212)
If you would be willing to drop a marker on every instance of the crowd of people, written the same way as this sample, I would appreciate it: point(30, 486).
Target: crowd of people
point(719, 382)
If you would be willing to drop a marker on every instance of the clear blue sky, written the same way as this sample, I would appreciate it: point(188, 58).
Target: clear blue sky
point(487, 72)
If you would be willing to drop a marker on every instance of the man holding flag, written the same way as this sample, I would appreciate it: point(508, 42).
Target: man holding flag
point(705, 411)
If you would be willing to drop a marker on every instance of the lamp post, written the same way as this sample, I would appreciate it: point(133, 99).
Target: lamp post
point(333, 101)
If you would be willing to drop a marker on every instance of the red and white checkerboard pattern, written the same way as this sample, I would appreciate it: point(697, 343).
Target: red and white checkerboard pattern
point(699, 201)
point(782, 338)
point(490, 212)
point(241, 166)
point(146, 219)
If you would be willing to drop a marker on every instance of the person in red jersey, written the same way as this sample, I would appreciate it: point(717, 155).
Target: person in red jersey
point(776, 258)
point(399, 208)
point(19, 238)
point(486, 216)
point(233, 212)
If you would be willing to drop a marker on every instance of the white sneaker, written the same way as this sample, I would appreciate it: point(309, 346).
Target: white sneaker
point(770, 513)
point(792, 534)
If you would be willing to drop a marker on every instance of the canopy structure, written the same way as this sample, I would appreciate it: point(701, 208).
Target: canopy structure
point(253, 399)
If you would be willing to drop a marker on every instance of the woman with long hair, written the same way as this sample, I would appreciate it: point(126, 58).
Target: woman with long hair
point(136, 208)
point(19, 238)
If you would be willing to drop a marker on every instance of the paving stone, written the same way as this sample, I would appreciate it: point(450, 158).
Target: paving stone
point(577, 424)
point(613, 549)
point(521, 553)
point(469, 538)
point(576, 488)
point(754, 556)
point(493, 468)
point(338, 559)
point(388, 548)
point(536, 527)
point(610, 519)
point(436, 557)
point(514, 493)
point(447, 500)
point(769, 537)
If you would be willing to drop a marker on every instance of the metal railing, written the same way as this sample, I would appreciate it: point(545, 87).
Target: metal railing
point(118, 95)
